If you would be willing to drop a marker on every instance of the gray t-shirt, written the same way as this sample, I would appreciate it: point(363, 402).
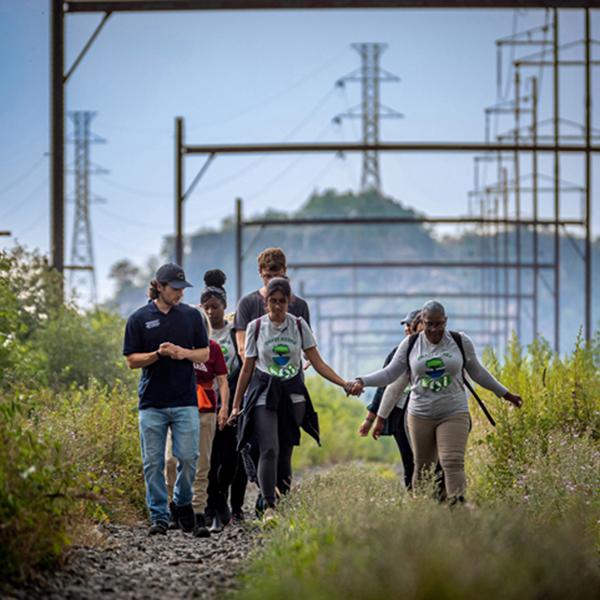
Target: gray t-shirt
point(437, 387)
point(252, 306)
point(223, 337)
point(278, 348)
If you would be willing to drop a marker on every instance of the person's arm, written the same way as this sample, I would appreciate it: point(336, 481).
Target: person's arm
point(224, 395)
point(397, 367)
point(393, 393)
point(242, 384)
point(138, 360)
point(482, 376)
point(373, 407)
point(322, 368)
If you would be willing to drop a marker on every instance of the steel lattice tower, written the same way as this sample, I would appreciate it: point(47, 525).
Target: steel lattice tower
point(370, 75)
point(82, 266)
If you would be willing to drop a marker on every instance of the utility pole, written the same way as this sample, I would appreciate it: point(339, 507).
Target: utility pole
point(82, 268)
point(370, 110)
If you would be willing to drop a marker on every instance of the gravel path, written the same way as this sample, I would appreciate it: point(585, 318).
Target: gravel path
point(132, 565)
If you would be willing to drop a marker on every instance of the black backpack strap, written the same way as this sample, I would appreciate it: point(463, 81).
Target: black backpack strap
point(458, 340)
point(233, 340)
point(299, 325)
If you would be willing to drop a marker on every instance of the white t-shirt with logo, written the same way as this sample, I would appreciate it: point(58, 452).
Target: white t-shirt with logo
point(223, 338)
point(278, 348)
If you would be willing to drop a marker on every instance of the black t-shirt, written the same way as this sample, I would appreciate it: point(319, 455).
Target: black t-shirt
point(252, 306)
point(166, 383)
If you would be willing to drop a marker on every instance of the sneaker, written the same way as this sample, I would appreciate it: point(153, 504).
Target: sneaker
point(269, 517)
point(217, 525)
point(237, 515)
point(200, 530)
point(185, 518)
point(158, 528)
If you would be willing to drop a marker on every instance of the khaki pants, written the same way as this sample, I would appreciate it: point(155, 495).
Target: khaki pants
point(208, 427)
point(443, 439)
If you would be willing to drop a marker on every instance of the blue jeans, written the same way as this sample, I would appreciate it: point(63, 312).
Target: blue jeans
point(185, 428)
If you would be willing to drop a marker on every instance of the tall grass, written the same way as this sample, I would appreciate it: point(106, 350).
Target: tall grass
point(534, 482)
point(351, 534)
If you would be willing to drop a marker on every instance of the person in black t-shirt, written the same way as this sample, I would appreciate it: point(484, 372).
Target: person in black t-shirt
point(164, 338)
point(271, 263)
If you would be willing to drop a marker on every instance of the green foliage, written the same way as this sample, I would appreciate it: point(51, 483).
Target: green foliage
point(35, 482)
point(339, 419)
point(351, 534)
point(561, 404)
point(44, 342)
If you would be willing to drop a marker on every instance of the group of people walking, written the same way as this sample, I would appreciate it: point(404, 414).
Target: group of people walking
point(223, 400)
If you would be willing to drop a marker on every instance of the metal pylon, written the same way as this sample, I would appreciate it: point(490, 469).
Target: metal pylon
point(370, 110)
point(82, 275)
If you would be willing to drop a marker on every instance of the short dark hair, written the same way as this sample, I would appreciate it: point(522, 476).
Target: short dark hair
point(279, 284)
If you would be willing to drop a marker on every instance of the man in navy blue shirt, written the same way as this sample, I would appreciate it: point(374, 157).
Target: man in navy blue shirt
point(164, 338)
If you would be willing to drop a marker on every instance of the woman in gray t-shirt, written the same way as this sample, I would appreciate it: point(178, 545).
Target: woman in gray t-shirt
point(438, 411)
point(277, 403)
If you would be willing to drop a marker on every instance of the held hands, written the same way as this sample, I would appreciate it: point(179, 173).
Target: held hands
point(514, 399)
point(354, 388)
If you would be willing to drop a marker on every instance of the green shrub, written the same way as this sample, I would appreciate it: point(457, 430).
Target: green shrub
point(98, 429)
point(36, 483)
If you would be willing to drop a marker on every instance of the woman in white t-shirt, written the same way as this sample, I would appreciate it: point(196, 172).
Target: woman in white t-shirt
point(438, 411)
point(277, 404)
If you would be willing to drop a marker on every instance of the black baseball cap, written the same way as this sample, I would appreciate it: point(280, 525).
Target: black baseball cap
point(410, 317)
point(172, 275)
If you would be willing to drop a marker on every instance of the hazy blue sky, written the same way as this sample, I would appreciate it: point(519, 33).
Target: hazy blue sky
point(243, 77)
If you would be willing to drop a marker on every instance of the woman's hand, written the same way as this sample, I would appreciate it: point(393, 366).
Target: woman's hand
point(235, 413)
point(378, 429)
point(514, 399)
point(222, 417)
point(354, 388)
point(364, 429)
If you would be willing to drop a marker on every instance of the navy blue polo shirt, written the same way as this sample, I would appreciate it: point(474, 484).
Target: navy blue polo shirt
point(166, 383)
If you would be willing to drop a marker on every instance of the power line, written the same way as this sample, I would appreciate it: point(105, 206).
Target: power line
point(24, 176)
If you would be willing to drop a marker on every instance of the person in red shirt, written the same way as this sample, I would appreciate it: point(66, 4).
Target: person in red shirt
point(214, 369)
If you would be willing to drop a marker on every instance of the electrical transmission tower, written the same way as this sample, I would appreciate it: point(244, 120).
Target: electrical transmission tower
point(370, 110)
point(82, 268)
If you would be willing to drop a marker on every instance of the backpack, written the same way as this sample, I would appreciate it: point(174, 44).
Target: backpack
point(458, 341)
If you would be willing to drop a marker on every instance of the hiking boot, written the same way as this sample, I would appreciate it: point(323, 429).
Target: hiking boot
point(158, 528)
point(201, 530)
point(173, 520)
point(224, 514)
point(185, 518)
point(217, 525)
point(455, 501)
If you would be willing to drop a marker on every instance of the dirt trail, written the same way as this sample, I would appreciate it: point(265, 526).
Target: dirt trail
point(129, 564)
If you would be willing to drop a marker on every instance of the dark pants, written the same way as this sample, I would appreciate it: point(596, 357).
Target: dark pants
point(227, 474)
point(406, 454)
point(275, 458)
